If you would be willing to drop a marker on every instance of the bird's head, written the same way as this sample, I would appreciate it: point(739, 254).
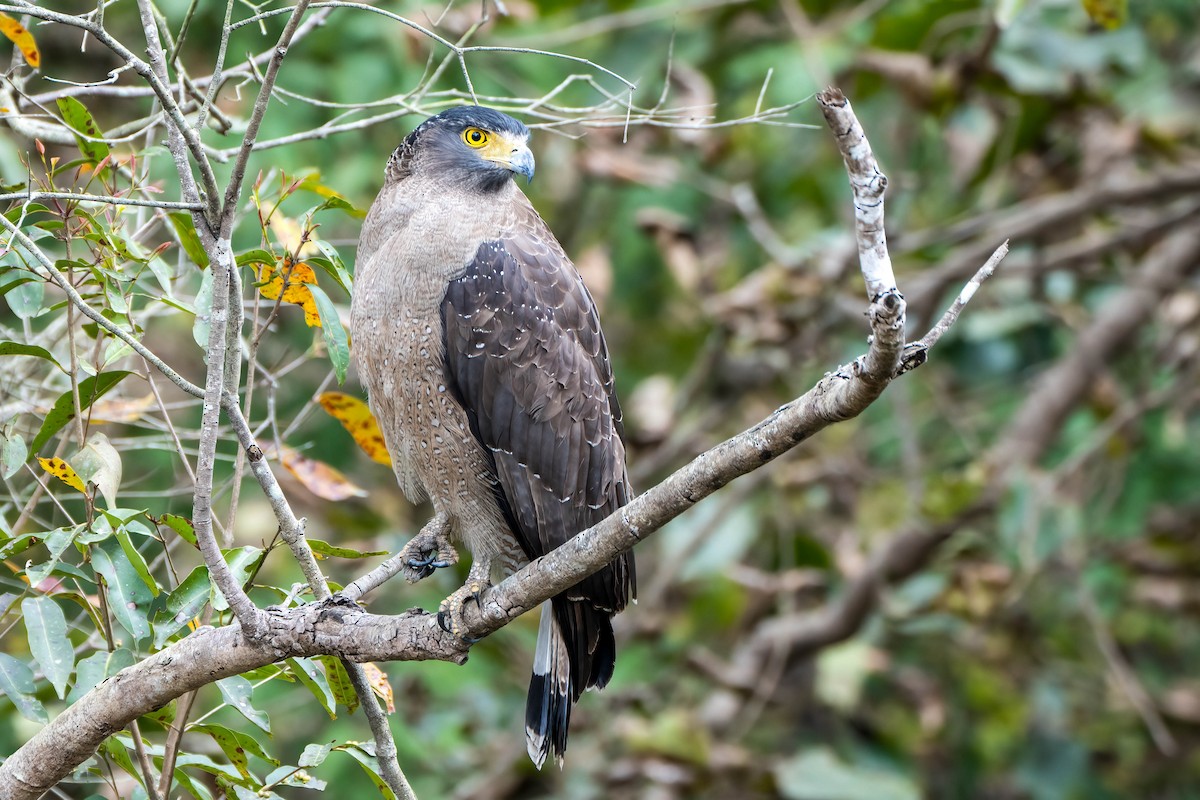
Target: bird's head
point(470, 146)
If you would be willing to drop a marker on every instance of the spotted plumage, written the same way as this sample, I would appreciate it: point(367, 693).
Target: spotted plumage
point(484, 362)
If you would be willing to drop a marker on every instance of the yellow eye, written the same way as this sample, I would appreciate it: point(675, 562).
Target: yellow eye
point(475, 137)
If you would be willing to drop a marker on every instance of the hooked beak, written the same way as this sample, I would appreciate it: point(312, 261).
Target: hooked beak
point(520, 161)
point(512, 153)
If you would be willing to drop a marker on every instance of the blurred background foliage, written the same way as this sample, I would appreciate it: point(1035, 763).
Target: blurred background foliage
point(1047, 648)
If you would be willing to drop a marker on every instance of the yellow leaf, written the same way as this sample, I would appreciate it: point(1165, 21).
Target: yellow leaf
point(63, 471)
point(1109, 14)
point(22, 38)
point(319, 478)
point(289, 234)
point(380, 685)
point(359, 422)
point(289, 281)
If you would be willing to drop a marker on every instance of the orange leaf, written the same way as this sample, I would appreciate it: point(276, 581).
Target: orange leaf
point(380, 685)
point(289, 282)
point(63, 471)
point(22, 38)
point(319, 478)
point(359, 422)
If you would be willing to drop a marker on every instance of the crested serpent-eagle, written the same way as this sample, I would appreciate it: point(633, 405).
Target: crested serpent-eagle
point(484, 362)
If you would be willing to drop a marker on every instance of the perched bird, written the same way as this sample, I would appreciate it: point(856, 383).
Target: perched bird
point(484, 362)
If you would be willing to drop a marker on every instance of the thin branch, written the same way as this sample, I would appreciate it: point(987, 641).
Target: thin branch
point(139, 747)
point(101, 198)
point(233, 190)
point(917, 352)
point(148, 73)
point(385, 746)
point(53, 274)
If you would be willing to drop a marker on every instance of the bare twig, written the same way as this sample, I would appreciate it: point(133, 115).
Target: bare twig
point(917, 352)
point(151, 76)
point(101, 198)
point(233, 189)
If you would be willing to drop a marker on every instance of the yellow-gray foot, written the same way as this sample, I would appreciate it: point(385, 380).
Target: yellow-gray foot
point(426, 552)
point(450, 613)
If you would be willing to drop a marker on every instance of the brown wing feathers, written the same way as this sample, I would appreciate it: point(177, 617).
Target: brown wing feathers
point(526, 357)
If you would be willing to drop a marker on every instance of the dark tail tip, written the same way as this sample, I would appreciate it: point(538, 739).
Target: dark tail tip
point(547, 717)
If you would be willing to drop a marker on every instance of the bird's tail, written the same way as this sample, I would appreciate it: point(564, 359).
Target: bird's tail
point(563, 666)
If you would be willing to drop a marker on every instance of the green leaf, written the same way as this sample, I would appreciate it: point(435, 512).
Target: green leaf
point(163, 715)
point(25, 297)
point(326, 549)
point(99, 463)
point(236, 745)
point(16, 683)
point(333, 264)
point(128, 596)
point(290, 776)
point(19, 544)
point(182, 526)
point(195, 789)
point(189, 240)
point(257, 256)
point(182, 605)
point(243, 561)
point(312, 183)
point(336, 339)
point(1006, 11)
point(46, 627)
point(137, 562)
point(115, 749)
point(236, 691)
point(209, 765)
point(314, 755)
point(95, 668)
point(339, 682)
point(818, 774)
point(312, 677)
point(80, 120)
point(90, 390)
point(13, 453)
point(19, 349)
point(244, 793)
point(370, 765)
point(57, 542)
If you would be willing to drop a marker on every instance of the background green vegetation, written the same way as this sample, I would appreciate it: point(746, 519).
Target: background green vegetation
point(1003, 669)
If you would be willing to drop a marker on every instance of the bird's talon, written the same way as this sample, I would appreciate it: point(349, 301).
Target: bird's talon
point(450, 611)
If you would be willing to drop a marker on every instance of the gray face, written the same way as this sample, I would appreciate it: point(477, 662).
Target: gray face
point(472, 146)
